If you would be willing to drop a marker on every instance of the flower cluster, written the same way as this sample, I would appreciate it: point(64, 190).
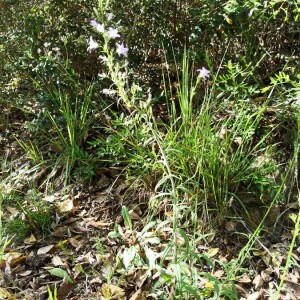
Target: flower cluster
point(111, 33)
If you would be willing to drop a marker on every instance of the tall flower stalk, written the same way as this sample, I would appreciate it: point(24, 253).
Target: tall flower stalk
point(116, 69)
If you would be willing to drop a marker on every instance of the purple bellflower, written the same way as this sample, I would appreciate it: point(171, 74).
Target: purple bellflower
point(97, 26)
point(203, 72)
point(112, 33)
point(92, 45)
point(122, 50)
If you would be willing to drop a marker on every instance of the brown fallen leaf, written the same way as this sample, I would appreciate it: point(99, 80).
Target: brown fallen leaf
point(74, 242)
point(60, 232)
point(218, 274)
point(70, 220)
point(110, 291)
point(104, 181)
point(2, 263)
point(46, 250)
point(11, 256)
point(98, 224)
point(57, 261)
point(77, 229)
point(65, 206)
point(230, 226)
point(25, 273)
point(257, 282)
point(141, 276)
point(212, 252)
point(254, 296)
point(296, 257)
point(265, 256)
point(49, 198)
point(65, 289)
point(293, 205)
point(293, 288)
point(169, 214)
point(30, 240)
point(96, 280)
point(139, 295)
point(13, 211)
point(18, 260)
point(241, 291)
point(134, 215)
point(244, 279)
point(266, 275)
point(86, 258)
point(100, 198)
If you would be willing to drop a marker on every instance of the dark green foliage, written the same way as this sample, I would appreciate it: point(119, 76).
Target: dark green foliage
point(32, 215)
point(47, 69)
point(17, 228)
point(47, 41)
point(247, 32)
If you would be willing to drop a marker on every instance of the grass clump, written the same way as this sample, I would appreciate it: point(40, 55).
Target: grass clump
point(17, 229)
point(29, 215)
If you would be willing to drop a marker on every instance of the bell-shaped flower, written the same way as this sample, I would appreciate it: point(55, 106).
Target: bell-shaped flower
point(93, 23)
point(103, 58)
point(112, 33)
point(203, 72)
point(97, 26)
point(109, 16)
point(122, 50)
point(92, 45)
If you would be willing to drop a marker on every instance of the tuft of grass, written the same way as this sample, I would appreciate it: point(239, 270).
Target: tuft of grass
point(65, 130)
point(294, 170)
point(68, 137)
point(33, 152)
point(33, 216)
point(17, 229)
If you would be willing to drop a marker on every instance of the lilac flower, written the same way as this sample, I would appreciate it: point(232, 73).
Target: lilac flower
point(204, 72)
point(93, 23)
point(110, 16)
point(112, 33)
point(97, 26)
point(92, 45)
point(100, 28)
point(122, 50)
point(103, 58)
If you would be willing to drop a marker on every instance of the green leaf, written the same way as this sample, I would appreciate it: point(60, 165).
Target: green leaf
point(177, 273)
point(148, 226)
point(265, 89)
point(293, 217)
point(151, 256)
point(126, 217)
point(186, 239)
point(128, 256)
point(58, 272)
